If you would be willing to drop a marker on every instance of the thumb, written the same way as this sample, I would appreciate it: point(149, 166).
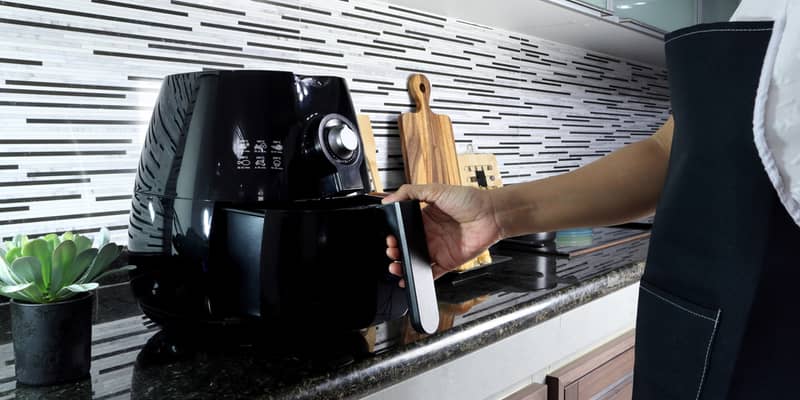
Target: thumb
point(426, 193)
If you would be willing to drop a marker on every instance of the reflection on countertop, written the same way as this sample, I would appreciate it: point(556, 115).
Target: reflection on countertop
point(132, 358)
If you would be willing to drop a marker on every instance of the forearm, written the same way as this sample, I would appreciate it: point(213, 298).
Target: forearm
point(617, 188)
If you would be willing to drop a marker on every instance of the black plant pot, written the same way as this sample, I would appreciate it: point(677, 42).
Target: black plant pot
point(52, 342)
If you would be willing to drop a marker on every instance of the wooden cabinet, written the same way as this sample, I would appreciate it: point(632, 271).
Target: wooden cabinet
point(536, 391)
point(606, 373)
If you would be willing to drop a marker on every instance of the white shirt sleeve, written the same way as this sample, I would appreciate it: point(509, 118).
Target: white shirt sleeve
point(776, 118)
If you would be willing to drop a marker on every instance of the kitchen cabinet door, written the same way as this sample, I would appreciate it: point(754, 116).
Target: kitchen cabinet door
point(605, 373)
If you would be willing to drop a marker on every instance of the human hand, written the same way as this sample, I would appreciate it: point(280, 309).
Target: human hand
point(459, 224)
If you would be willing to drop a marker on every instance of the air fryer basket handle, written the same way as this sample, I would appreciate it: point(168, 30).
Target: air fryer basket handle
point(406, 224)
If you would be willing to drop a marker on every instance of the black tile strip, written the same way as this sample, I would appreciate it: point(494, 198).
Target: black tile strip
point(432, 36)
point(19, 61)
point(259, 32)
point(84, 121)
point(9, 166)
point(466, 89)
point(416, 60)
point(498, 134)
point(509, 49)
point(595, 59)
point(107, 33)
point(549, 105)
point(386, 14)
point(295, 49)
point(601, 133)
point(166, 59)
point(422, 39)
point(450, 56)
point(481, 104)
point(81, 172)
point(39, 198)
point(329, 25)
point(116, 368)
point(62, 153)
point(510, 78)
point(372, 46)
point(634, 110)
point(548, 128)
point(644, 76)
point(416, 70)
point(14, 209)
point(499, 64)
point(606, 113)
point(63, 217)
point(610, 92)
point(638, 66)
point(494, 96)
point(47, 182)
point(606, 58)
point(594, 78)
point(418, 13)
point(553, 61)
point(506, 69)
point(64, 141)
point(392, 89)
point(362, 80)
point(589, 70)
point(505, 114)
point(470, 39)
point(567, 75)
point(402, 46)
point(530, 45)
point(531, 162)
point(94, 16)
point(359, 91)
point(78, 86)
point(520, 143)
point(475, 53)
point(205, 7)
point(268, 27)
point(117, 352)
point(60, 93)
point(613, 78)
point(153, 79)
point(436, 108)
point(139, 7)
point(530, 61)
point(470, 123)
point(111, 198)
point(380, 21)
point(535, 54)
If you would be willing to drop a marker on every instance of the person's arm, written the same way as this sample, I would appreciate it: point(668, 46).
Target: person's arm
point(617, 188)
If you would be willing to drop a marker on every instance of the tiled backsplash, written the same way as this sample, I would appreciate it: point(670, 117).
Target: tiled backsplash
point(78, 79)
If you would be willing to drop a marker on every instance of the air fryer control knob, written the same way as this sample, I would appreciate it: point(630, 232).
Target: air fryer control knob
point(342, 141)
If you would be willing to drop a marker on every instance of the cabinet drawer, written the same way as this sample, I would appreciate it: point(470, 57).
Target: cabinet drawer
point(604, 382)
point(602, 374)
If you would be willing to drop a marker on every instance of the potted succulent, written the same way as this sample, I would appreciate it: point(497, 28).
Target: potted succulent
point(50, 281)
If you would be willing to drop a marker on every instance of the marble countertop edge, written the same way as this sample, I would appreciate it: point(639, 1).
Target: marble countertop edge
point(369, 376)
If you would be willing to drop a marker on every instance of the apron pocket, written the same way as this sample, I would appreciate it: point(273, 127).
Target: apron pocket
point(673, 345)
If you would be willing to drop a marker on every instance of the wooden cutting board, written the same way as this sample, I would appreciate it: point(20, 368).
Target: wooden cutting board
point(429, 149)
point(370, 151)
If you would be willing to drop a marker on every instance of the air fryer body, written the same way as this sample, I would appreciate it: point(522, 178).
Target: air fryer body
point(225, 152)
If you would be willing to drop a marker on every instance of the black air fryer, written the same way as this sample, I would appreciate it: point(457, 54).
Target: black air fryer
point(250, 208)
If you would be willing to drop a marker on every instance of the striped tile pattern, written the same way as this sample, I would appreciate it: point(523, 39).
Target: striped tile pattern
point(78, 79)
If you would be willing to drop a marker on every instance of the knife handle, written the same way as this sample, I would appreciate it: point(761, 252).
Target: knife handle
point(405, 219)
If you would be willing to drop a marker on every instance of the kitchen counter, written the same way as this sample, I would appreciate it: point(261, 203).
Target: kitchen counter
point(132, 358)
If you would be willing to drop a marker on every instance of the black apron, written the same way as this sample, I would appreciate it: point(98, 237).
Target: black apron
point(716, 317)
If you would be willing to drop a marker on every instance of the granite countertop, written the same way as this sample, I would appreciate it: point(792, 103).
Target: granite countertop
point(133, 358)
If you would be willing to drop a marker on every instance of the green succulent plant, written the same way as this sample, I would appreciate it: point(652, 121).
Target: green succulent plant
point(54, 268)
